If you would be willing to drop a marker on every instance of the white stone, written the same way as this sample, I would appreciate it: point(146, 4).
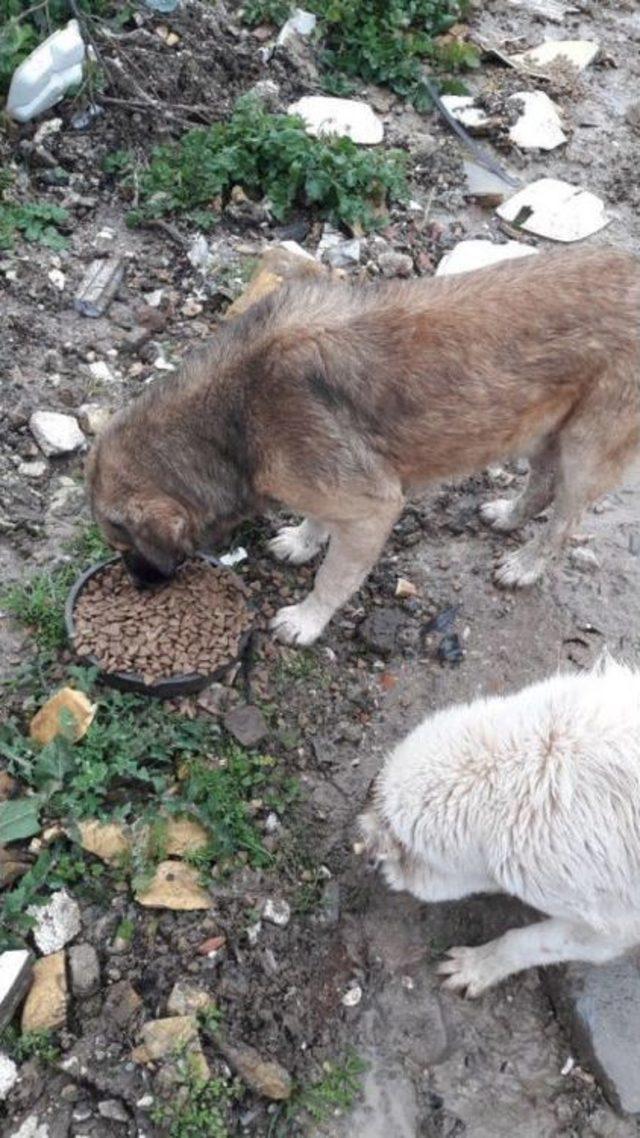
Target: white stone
point(8, 1075)
point(56, 923)
point(15, 977)
point(539, 126)
point(56, 433)
point(234, 556)
point(476, 254)
point(300, 23)
point(199, 257)
point(352, 996)
point(348, 118)
point(93, 418)
point(101, 372)
point(32, 1127)
point(579, 53)
point(463, 108)
point(548, 9)
point(345, 255)
point(277, 912)
point(556, 210)
point(57, 278)
point(36, 469)
point(297, 250)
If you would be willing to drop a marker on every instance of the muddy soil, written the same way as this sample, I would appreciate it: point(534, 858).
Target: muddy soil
point(438, 1066)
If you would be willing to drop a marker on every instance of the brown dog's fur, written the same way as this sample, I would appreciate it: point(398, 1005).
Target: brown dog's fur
point(338, 402)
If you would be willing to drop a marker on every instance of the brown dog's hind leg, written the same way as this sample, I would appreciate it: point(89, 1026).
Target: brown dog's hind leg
point(596, 446)
point(507, 514)
point(354, 546)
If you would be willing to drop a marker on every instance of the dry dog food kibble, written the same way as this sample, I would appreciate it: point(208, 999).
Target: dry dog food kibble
point(194, 623)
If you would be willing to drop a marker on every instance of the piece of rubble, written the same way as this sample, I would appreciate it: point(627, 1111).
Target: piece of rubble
point(345, 255)
point(166, 1038)
point(247, 724)
point(45, 1007)
point(554, 10)
point(187, 1000)
point(352, 996)
point(113, 1109)
point(68, 713)
point(348, 118)
point(300, 23)
point(395, 264)
point(32, 1127)
point(93, 418)
point(212, 947)
point(16, 967)
point(56, 923)
point(36, 469)
point(277, 912)
point(101, 372)
point(8, 1075)
point(464, 109)
point(264, 1076)
point(539, 126)
point(57, 279)
point(84, 968)
point(405, 588)
point(56, 433)
point(484, 186)
point(579, 53)
point(556, 210)
point(99, 286)
point(121, 1005)
point(107, 840)
point(175, 885)
point(477, 253)
point(184, 836)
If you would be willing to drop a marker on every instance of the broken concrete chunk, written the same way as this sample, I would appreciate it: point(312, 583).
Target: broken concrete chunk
point(348, 118)
point(107, 840)
point(174, 886)
point(68, 713)
point(264, 1076)
point(16, 967)
point(187, 1000)
point(484, 186)
point(56, 923)
point(56, 433)
point(247, 724)
point(345, 255)
point(464, 109)
point(183, 836)
point(84, 968)
point(121, 1005)
point(476, 254)
point(169, 1038)
point(539, 126)
point(579, 53)
point(99, 286)
point(45, 1007)
point(557, 210)
point(8, 1075)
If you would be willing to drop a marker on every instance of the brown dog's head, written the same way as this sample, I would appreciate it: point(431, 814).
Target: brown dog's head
point(153, 530)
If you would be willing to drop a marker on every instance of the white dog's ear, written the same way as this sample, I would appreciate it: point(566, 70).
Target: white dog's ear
point(376, 841)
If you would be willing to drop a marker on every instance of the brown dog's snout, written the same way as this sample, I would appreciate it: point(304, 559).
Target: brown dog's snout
point(144, 573)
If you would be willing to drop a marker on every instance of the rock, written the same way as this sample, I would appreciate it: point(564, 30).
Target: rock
point(328, 912)
point(166, 1038)
point(352, 996)
point(464, 109)
point(556, 210)
point(393, 264)
point(300, 23)
point(379, 630)
point(348, 118)
point(8, 1075)
point(539, 126)
point(68, 713)
point(214, 699)
point(264, 1076)
point(45, 1007)
point(93, 418)
point(405, 588)
point(99, 286)
point(31, 1128)
point(56, 433)
point(485, 186)
point(268, 92)
point(113, 1109)
point(57, 279)
point(35, 470)
point(212, 947)
point(578, 53)
point(475, 254)
point(16, 967)
point(121, 1005)
point(175, 885)
point(56, 923)
point(107, 840)
point(101, 372)
point(187, 1000)
point(247, 724)
point(183, 836)
point(584, 559)
point(602, 1007)
point(344, 255)
point(277, 912)
point(84, 968)
point(548, 9)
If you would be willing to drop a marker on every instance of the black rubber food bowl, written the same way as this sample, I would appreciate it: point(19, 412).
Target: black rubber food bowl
point(167, 688)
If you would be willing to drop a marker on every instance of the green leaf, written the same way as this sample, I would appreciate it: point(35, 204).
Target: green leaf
point(19, 818)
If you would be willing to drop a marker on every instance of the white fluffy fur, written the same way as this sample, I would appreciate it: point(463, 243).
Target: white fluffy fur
point(536, 795)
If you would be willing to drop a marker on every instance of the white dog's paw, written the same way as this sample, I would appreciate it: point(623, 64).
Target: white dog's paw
point(520, 569)
point(500, 515)
point(471, 970)
point(294, 544)
point(298, 624)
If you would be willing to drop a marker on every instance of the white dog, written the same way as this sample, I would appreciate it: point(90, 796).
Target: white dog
point(535, 794)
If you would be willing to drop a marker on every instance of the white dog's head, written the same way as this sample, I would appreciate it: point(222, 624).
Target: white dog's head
point(382, 848)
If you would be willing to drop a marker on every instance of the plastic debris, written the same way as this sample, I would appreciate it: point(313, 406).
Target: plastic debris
point(300, 23)
point(42, 79)
point(557, 210)
point(234, 557)
point(476, 254)
point(348, 118)
point(99, 286)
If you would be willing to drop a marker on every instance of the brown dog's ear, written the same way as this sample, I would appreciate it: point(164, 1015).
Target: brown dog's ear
point(162, 531)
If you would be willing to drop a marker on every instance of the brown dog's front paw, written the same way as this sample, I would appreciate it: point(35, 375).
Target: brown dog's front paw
point(298, 624)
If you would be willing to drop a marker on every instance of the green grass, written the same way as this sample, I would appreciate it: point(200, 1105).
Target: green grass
point(199, 1108)
point(29, 1045)
point(386, 42)
point(335, 1092)
point(268, 155)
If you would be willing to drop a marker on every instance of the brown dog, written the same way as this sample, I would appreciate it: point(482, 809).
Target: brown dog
point(338, 402)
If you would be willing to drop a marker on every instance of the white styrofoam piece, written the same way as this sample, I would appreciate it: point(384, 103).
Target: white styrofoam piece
point(477, 254)
point(346, 117)
point(539, 126)
point(463, 108)
point(47, 73)
point(557, 210)
point(580, 53)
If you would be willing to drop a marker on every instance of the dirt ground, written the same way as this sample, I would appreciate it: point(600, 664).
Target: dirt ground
point(437, 1066)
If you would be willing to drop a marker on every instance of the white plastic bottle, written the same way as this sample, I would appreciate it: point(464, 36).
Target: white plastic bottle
point(43, 77)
